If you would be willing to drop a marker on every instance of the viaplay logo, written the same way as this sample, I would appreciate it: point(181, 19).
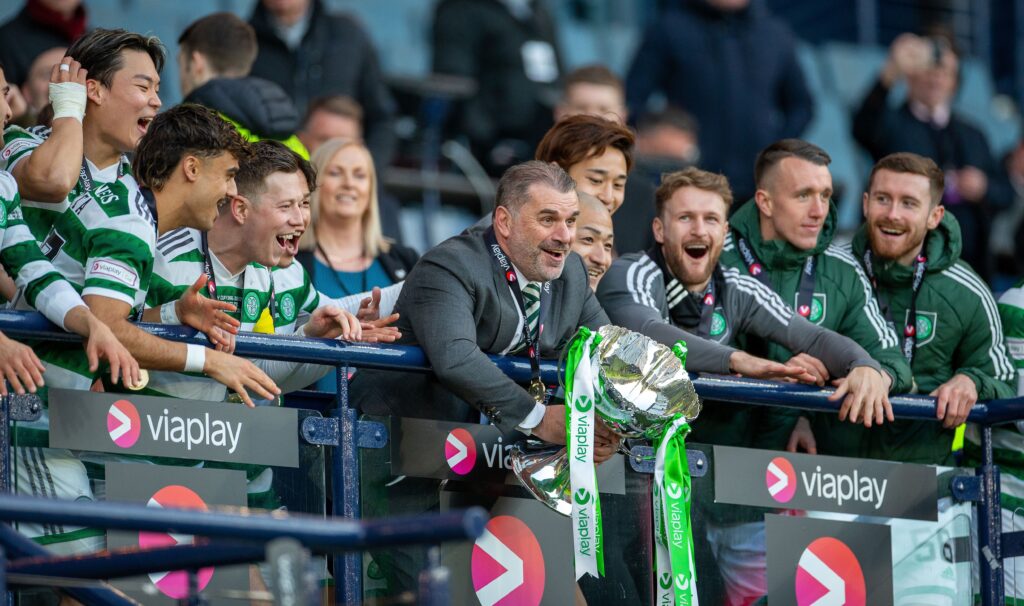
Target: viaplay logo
point(829, 573)
point(174, 584)
point(460, 451)
point(780, 479)
point(123, 423)
point(507, 564)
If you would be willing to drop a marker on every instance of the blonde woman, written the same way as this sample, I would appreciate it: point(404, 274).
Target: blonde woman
point(344, 250)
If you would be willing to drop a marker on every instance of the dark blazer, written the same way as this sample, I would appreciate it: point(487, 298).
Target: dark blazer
point(458, 307)
point(397, 262)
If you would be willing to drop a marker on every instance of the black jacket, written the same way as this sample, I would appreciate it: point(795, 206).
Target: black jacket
point(397, 262)
point(335, 57)
point(882, 130)
point(737, 73)
point(22, 39)
point(258, 105)
point(481, 39)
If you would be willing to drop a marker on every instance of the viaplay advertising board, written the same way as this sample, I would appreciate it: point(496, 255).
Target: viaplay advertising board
point(468, 452)
point(167, 427)
point(767, 478)
point(184, 487)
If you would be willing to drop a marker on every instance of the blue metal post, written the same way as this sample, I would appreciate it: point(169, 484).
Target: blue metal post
point(5, 445)
point(348, 567)
point(989, 526)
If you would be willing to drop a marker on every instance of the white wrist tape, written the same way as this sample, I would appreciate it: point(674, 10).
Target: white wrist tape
point(169, 313)
point(68, 100)
point(195, 357)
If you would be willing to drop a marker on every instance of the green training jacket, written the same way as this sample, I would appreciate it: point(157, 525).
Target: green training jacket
point(958, 331)
point(843, 301)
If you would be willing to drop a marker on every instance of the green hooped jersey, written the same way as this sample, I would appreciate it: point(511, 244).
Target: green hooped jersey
point(103, 245)
point(19, 143)
point(180, 260)
point(296, 298)
point(39, 284)
point(1007, 440)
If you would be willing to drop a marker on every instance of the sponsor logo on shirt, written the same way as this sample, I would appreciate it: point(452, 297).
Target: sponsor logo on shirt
point(114, 271)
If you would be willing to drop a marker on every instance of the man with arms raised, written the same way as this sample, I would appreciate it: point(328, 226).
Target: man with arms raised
point(783, 239)
point(946, 316)
point(104, 95)
point(678, 288)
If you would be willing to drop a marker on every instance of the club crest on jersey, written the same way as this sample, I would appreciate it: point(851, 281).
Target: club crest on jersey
point(815, 312)
point(718, 323)
point(924, 327)
point(251, 306)
point(288, 307)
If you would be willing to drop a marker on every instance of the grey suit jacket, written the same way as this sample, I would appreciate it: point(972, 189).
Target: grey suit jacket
point(457, 306)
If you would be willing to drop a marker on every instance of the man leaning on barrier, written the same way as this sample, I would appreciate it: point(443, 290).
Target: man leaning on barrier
point(783, 238)
point(677, 288)
point(508, 289)
point(951, 333)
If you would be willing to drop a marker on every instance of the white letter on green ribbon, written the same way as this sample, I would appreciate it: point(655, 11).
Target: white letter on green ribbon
point(580, 378)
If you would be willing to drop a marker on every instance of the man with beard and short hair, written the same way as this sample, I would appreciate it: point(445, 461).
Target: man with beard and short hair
point(783, 238)
point(949, 324)
point(595, 238)
point(677, 288)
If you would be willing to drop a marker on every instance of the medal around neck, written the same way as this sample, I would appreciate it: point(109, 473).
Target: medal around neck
point(640, 389)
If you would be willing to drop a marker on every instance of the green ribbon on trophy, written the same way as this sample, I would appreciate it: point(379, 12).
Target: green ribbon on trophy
point(581, 391)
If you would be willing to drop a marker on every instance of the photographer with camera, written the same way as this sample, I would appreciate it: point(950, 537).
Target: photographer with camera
point(926, 124)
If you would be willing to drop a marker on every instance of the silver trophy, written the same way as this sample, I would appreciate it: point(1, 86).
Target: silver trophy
point(645, 387)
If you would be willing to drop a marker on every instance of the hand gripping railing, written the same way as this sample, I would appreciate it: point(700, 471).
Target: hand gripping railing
point(984, 489)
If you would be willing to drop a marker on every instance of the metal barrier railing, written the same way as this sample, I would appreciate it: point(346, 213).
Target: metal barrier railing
point(350, 433)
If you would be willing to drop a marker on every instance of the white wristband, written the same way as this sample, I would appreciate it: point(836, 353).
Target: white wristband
point(68, 100)
point(169, 313)
point(195, 357)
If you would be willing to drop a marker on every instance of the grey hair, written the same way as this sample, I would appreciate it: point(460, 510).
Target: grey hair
point(514, 186)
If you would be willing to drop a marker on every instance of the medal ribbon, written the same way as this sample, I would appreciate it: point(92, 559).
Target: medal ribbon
point(910, 326)
point(805, 294)
point(502, 262)
point(673, 536)
point(581, 388)
point(264, 321)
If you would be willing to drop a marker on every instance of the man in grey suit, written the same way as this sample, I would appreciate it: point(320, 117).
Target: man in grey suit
point(463, 301)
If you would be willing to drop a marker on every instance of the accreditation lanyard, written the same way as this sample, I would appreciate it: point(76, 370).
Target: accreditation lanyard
point(805, 294)
point(502, 263)
point(211, 280)
point(707, 311)
point(910, 326)
point(85, 175)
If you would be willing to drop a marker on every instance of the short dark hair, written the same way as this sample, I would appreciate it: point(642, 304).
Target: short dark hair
point(770, 156)
point(268, 157)
point(339, 105)
point(593, 74)
point(672, 117)
point(514, 186)
point(186, 129)
point(906, 162)
point(691, 176)
point(576, 138)
point(99, 51)
point(225, 40)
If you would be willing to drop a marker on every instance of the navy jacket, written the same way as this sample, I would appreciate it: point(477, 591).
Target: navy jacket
point(737, 73)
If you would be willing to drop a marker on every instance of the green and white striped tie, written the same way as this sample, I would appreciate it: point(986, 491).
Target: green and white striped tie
point(531, 297)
